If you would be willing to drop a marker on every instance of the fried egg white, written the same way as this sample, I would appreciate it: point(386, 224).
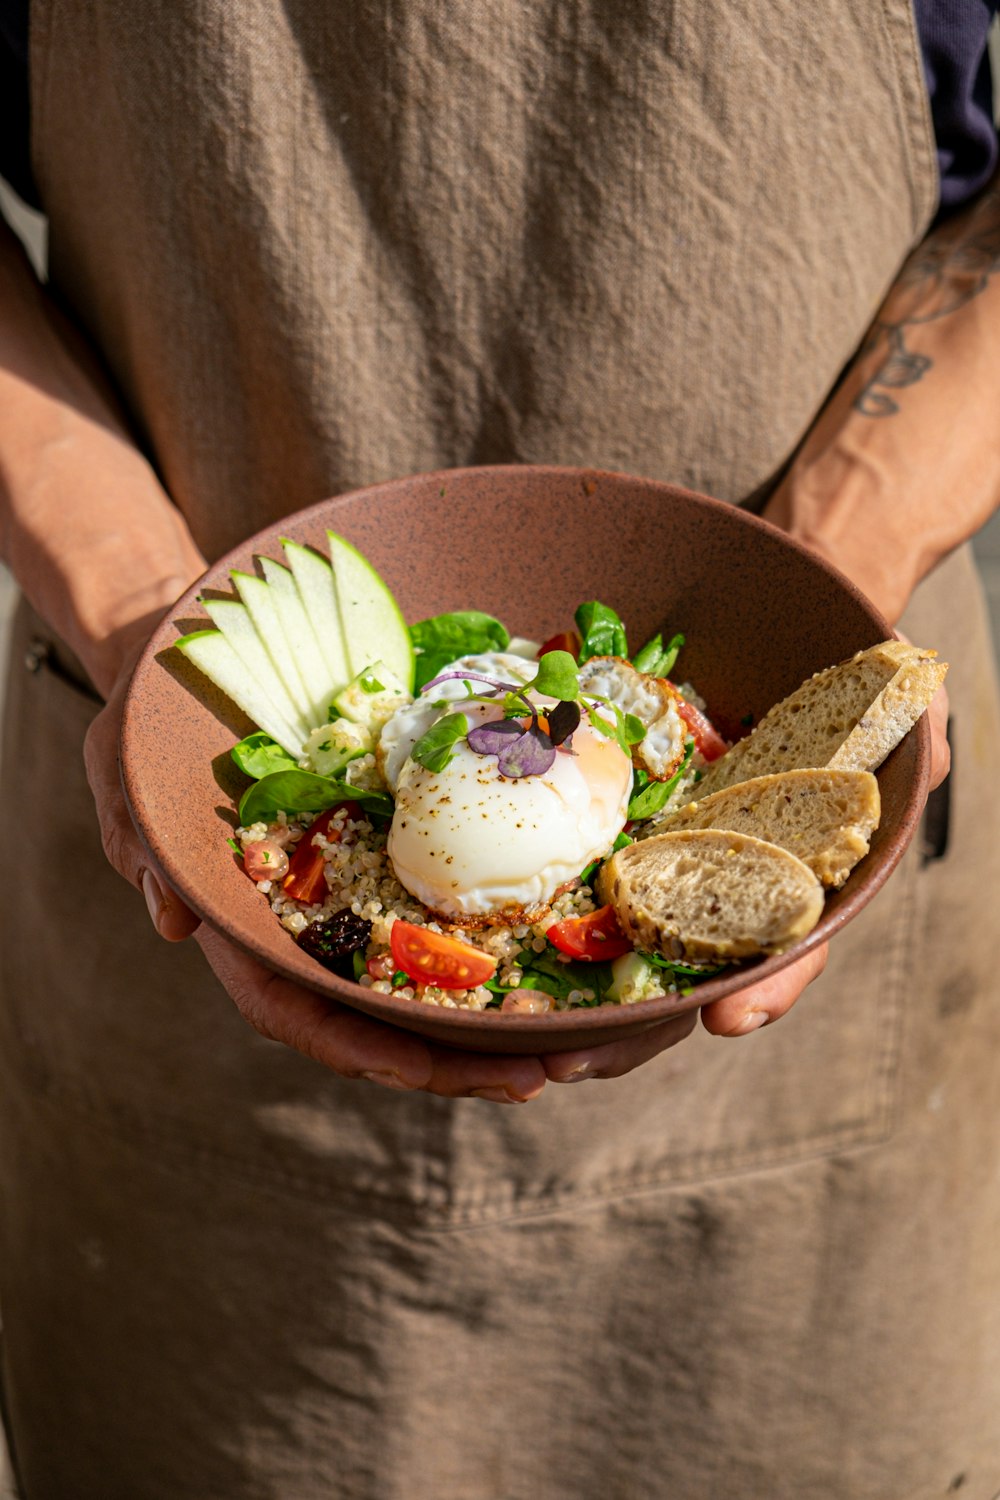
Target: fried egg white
point(470, 843)
point(653, 700)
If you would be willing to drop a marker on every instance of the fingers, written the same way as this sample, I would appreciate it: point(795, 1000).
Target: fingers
point(937, 717)
point(759, 1004)
point(172, 919)
point(937, 714)
point(356, 1046)
point(616, 1058)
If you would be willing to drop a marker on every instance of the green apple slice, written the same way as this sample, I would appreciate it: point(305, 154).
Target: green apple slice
point(212, 654)
point(260, 606)
point(233, 619)
point(372, 624)
point(318, 592)
point(300, 640)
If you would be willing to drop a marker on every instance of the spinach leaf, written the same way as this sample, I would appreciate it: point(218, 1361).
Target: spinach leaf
point(258, 755)
point(649, 796)
point(544, 971)
point(444, 638)
point(303, 792)
point(601, 631)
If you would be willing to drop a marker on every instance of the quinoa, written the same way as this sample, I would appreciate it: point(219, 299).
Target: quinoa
point(360, 877)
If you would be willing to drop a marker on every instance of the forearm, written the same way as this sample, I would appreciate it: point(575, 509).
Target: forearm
point(903, 464)
point(85, 526)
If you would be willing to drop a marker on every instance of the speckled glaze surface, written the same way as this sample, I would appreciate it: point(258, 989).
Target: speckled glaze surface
point(526, 544)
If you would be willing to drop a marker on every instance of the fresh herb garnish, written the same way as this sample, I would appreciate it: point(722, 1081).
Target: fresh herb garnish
point(433, 750)
point(526, 749)
point(236, 846)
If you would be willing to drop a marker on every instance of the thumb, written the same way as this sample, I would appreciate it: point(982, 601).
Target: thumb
point(172, 919)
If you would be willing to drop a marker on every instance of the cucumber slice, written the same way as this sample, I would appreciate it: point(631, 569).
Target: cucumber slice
point(260, 606)
point(372, 624)
point(633, 978)
point(372, 697)
point(212, 654)
point(233, 619)
point(300, 640)
point(318, 592)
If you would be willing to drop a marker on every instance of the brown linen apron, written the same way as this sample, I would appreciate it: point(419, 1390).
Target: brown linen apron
point(321, 246)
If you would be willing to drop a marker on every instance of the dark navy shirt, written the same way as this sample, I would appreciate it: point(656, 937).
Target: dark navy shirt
point(952, 40)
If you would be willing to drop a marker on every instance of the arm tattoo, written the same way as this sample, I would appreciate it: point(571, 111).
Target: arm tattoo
point(944, 274)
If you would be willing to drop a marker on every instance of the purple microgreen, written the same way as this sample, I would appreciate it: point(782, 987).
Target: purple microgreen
point(494, 737)
point(563, 719)
point(531, 754)
point(493, 682)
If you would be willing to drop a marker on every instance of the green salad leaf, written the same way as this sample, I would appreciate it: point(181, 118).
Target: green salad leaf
point(655, 658)
point(544, 971)
point(258, 755)
point(602, 632)
point(295, 792)
point(648, 797)
point(444, 638)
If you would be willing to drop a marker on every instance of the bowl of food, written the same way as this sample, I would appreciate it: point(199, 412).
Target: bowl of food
point(525, 758)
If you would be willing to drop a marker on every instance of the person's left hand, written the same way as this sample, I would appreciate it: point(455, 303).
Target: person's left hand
point(737, 1014)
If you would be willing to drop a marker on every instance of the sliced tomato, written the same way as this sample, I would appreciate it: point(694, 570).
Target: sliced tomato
point(565, 640)
point(305, 880)
point(432, 958)
point(595, 937)
point(707, 739)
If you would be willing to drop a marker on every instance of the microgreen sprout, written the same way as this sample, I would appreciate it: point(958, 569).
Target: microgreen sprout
point(525, 748)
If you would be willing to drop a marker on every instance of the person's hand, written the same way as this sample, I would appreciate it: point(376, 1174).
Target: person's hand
point(737, 1014)
point(345, 1041)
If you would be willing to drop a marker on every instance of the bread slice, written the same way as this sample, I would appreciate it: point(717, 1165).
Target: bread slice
point(846, 718)
point(704, 895)
point(825, 818)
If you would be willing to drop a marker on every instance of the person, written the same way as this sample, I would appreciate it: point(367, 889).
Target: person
point(296, 250)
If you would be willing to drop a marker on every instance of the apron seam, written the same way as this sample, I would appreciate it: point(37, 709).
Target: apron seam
point(913, 111)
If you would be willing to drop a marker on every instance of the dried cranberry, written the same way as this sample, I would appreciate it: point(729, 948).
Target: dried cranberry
point(333, 940)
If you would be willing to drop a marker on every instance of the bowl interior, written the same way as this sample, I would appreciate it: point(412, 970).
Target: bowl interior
point(526, 544)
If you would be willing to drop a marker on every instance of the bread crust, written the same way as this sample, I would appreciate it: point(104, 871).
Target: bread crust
point(848, 717)
point(824, 817)
point(704, 895)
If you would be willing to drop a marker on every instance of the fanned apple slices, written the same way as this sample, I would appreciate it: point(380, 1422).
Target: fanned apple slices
point(295, 638)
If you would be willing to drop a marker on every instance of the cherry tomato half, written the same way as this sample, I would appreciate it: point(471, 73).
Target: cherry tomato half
point(565, 640)
point(305, 880)
point(432, 958)
point(707, 739)
point(595, 937)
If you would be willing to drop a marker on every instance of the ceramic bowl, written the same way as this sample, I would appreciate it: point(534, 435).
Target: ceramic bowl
point(526, 544)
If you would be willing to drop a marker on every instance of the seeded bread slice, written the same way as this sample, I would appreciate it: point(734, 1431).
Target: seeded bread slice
point(704, 895)
point(825, 818)
point(846, 718)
